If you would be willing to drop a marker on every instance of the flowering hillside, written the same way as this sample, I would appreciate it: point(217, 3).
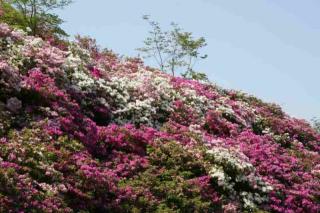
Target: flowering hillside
point(84, 131)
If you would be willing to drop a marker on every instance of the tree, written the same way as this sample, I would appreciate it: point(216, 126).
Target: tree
point(11, 16)
point(172, 49)
point(316, 124)
point(37, 17)
point(198, 76)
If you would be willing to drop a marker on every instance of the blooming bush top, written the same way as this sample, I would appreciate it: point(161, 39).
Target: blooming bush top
point(83, 130)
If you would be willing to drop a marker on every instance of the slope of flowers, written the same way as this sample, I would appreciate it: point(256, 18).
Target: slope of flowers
point(85, 131)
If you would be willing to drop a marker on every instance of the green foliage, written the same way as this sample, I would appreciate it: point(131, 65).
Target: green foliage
point(5, 120)
point(316, 124)
point(172, 49)
point(29, 161)
point(169, 178)
point(259, 125)
point(11, 16)
point(198, 76)
point(172, 156)
point(34, 16)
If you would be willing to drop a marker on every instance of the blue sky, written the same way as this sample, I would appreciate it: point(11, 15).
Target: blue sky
point(267, 48)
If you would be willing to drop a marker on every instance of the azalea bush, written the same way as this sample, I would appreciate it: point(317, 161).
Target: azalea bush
point(82, 130)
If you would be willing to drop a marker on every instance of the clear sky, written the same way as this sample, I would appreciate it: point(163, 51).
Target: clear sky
point(268, 48)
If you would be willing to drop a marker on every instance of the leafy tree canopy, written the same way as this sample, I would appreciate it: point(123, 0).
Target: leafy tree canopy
point(172, 49)
point(316, 124)
point(35, 16)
